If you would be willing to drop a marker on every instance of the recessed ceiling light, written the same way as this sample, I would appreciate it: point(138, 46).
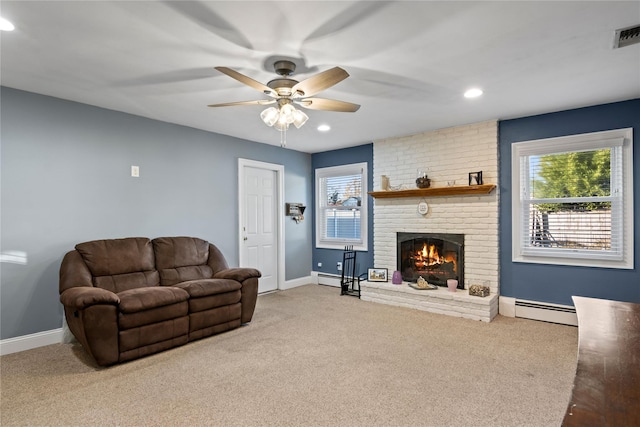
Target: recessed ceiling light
point(473, 93)
point(6, 25)
point(324, 128)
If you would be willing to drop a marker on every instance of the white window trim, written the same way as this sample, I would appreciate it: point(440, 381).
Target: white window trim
point(350, 169)
point(573, 143)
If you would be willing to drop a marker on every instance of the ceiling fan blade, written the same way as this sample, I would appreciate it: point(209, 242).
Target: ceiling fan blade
point(319, 82)
point(233, 104)
point(328, 105)
point(247, 81)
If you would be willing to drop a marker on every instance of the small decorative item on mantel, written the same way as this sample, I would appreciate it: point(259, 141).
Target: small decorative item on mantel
point(475, 178)
point(423, 181)
point(385, 184)
point(479, 290)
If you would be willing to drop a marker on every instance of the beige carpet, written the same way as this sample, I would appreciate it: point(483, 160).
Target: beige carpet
point(311, 357)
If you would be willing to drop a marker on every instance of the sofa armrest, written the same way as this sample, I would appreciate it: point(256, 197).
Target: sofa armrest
point(74, 272)
point(82, 297)
point(239, 274)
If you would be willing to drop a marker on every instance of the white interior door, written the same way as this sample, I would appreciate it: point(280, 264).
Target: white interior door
point(260, 201)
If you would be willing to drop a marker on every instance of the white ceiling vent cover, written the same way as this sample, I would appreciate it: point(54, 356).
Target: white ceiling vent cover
point(627, 36)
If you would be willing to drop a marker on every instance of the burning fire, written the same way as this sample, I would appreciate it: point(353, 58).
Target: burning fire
point(429, 256)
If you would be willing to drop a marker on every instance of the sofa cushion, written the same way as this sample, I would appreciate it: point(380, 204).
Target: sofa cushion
point(180, 259)
point(207, 287)
point(174, 276)
point(173, 252)
point(211, 293)
point(154, 315)
point(123, 282)
point(117, 256)
point(135, 300)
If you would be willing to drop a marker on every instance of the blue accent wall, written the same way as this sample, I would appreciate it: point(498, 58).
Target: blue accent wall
point(553, 283)
point(330, 257)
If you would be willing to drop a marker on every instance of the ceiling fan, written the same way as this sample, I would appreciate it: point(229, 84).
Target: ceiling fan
point(286, 92)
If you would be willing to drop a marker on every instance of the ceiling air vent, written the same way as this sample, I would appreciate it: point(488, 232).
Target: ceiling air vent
point(627, 36)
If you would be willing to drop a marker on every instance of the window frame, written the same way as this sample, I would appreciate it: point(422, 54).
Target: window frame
point(337, 171)
point(519, 184)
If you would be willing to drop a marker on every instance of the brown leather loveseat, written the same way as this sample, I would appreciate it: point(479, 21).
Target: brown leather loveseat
point(128, 298)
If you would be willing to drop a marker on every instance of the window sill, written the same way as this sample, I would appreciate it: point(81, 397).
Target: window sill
point(625, 264)
point(340, 246)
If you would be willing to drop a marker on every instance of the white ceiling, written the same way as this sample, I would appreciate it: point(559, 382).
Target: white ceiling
point(409, 62)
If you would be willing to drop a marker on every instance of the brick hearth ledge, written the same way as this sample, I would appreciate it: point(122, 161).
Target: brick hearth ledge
point(441, 301)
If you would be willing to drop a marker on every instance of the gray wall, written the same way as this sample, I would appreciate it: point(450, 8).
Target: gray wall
point(65, 179)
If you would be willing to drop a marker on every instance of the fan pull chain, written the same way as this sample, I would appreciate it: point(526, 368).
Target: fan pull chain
point(283, 137)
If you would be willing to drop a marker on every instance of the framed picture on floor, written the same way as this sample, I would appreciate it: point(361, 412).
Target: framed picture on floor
point(378, 275)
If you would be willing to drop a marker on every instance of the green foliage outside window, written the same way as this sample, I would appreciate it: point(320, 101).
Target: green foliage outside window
point(571, 175)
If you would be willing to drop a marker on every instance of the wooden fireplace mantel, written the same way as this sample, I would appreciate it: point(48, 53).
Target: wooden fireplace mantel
point(461, 190)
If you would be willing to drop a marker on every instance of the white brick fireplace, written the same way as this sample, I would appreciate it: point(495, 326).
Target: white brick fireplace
point(448, 155)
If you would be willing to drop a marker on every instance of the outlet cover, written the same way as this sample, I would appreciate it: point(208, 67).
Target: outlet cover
point(135, 171)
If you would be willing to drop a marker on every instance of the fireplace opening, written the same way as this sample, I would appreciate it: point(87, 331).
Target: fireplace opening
point(434, 256)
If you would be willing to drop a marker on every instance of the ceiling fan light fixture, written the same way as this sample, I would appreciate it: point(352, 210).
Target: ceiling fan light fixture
point(299, 118)
point(286, 113)
point(281, 126)
point(286, 91)
point(270, 116)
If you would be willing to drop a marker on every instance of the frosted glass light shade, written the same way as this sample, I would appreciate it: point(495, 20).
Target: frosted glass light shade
point(281, 126)
point(281, 118)
point(270, 116)
point(299, 118)
point(286, 113)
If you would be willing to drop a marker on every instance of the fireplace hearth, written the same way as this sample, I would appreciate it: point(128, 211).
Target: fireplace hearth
point(434, 256)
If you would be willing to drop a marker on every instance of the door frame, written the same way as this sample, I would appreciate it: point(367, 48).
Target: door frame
point(278, 212)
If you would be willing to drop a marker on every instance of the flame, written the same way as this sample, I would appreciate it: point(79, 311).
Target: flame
point(429, 255)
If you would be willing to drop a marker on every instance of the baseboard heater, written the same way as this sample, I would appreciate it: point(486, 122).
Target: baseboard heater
point(329, 279)
point(546, 312)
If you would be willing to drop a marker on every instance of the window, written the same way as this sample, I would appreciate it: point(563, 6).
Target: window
point(341, 206)
point(573, 200)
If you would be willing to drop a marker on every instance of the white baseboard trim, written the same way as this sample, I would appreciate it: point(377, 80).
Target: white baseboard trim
point(294, 283)
point(507, 306)
point(28, 342)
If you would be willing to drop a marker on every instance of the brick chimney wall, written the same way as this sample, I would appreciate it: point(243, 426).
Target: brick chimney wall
point(448, 155)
